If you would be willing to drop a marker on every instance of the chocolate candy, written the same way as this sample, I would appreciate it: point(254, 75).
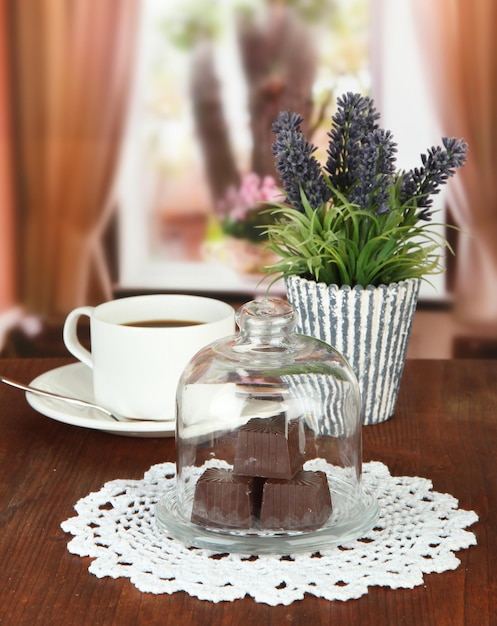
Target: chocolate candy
point(267, 487)
point(224, 499)
point(270, 447)
point(302, 503)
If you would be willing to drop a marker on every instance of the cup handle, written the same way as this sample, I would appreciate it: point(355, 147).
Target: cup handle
point(70, 334)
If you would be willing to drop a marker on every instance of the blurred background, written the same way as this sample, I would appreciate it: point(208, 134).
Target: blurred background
point(135, 142)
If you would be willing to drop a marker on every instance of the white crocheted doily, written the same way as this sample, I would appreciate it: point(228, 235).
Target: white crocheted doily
point(417, 533)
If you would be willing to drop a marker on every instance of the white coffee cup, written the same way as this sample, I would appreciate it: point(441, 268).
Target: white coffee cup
point(136, 369)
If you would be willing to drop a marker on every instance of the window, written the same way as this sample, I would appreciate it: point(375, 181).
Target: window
point(170, 196)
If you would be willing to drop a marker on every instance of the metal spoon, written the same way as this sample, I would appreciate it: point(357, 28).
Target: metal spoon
point(75, 401)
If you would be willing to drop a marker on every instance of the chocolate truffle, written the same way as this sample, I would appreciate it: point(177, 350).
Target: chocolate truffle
point(225, 500)
point(302, 503)
point(270, 447)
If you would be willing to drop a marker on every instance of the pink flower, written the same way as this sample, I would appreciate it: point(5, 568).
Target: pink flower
point(253, 192)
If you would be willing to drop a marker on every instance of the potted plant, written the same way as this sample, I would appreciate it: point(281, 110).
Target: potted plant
point(353, 240)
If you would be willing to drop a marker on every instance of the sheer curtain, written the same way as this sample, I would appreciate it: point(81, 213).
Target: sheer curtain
point(73, 62)
point(461, 58)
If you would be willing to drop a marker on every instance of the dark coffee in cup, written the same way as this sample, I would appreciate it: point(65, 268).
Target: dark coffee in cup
point(162, 323)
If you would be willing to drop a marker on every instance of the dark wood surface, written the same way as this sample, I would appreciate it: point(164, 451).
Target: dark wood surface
point(445, 429)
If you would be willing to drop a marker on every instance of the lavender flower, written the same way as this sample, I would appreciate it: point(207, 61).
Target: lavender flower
point(375, 172)
point(360, 163)
point(355, 118)
point(297, 168)
point(419, 184)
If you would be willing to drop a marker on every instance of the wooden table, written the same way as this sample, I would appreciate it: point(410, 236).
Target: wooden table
point(445, 429)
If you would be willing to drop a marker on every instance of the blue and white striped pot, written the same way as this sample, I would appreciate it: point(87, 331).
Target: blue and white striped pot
point(370, 326)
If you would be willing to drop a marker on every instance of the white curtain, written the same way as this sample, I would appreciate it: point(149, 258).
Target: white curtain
point(399, 88)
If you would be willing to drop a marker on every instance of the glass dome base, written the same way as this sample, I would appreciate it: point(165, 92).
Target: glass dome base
point(346, 523)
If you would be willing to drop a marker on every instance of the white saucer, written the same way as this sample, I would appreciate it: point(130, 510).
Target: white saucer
point(75, 380)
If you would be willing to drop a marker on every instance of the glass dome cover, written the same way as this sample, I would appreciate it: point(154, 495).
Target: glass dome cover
point(268, 442)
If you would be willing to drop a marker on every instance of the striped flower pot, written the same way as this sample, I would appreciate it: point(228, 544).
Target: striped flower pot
point(369, 326)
